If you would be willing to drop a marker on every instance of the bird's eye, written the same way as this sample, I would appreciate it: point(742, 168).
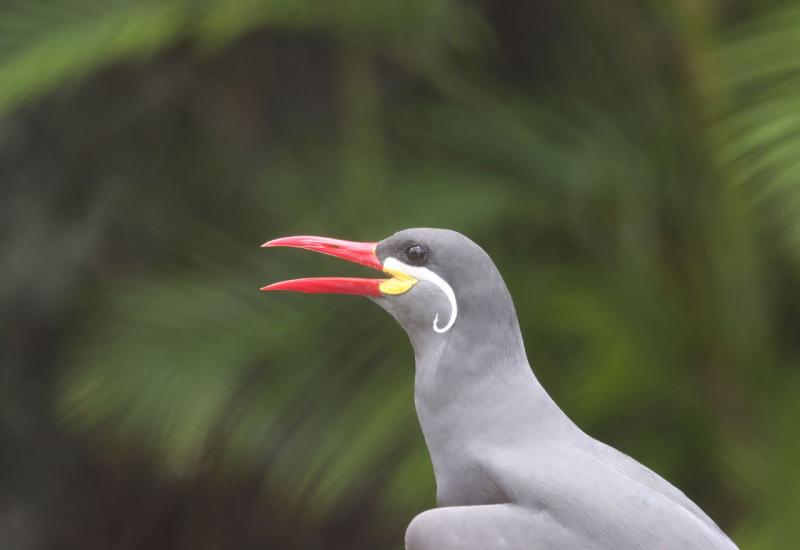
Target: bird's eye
point(417, 254)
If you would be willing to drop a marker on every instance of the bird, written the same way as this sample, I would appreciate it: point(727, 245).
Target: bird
point(512, 470)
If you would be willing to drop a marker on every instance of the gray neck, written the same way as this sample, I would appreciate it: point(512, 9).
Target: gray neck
point(473, 386)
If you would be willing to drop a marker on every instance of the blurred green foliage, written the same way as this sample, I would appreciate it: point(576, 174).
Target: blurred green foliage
point(631, 166)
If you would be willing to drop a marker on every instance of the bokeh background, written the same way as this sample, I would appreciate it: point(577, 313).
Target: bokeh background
point(633, 167)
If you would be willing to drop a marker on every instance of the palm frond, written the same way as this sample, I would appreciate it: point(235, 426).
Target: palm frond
point(44, 45)
point(756, 136)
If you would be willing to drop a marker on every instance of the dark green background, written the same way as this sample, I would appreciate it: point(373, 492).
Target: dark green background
point(633, 167)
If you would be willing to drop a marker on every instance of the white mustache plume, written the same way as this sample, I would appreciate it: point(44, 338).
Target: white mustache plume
point(424, 274)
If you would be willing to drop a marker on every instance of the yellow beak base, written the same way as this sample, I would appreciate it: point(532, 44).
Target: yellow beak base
point(398, 284)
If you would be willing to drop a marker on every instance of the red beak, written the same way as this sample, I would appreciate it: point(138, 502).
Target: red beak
point(360, 253)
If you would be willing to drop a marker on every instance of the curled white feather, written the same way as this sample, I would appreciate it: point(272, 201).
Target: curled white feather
point(425, 274)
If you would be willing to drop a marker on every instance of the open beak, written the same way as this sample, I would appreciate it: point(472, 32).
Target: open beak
point(356, 252)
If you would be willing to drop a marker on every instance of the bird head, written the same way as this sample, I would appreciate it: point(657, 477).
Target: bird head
point(437, 278)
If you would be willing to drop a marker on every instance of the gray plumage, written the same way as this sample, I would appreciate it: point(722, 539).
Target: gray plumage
point(512, 471)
